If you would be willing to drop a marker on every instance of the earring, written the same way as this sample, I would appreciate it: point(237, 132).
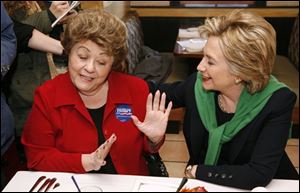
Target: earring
point(237, 81)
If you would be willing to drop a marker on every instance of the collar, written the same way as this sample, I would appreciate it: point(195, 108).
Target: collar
point(67, 94)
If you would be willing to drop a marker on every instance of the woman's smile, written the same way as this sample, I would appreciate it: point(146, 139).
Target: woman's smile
point(86, 78)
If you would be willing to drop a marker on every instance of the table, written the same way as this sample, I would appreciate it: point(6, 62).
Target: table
point(24, 180)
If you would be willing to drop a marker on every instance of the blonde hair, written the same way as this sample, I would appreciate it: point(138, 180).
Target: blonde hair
point(248, 43)
point(101, 27)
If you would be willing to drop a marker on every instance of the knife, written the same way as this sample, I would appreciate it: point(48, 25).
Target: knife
point(183, 182)
point(44, 184)
point(50, 184)
point(37, 183)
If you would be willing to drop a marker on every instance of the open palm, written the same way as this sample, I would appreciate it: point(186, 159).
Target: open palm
point(156, 119)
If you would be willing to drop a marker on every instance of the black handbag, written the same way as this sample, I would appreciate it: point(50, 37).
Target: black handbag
point(155, 165)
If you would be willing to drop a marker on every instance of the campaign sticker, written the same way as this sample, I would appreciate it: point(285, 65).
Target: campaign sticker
point(123, 112)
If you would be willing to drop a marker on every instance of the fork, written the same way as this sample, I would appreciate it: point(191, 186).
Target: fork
point(44, 184)
point(50, 184)
point(37, 183)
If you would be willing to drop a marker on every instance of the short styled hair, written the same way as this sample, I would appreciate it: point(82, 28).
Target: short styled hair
point(102, 28)
point(248, 43)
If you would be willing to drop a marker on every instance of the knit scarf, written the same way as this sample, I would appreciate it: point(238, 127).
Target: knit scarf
point(247, 109)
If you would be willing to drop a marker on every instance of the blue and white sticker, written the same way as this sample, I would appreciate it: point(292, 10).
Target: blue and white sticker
point(123, 112)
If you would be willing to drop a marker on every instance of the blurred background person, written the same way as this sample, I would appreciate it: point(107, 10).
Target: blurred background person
point(31, 66)
point(8, 53)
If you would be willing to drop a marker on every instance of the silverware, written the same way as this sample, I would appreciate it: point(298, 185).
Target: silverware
point(50, 184)
point(73, 178)
point(56, 185)
point(37, 183)
point(43, 186)
point(183, 182)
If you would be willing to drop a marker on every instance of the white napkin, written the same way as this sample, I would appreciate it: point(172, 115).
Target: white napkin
point(192, 45)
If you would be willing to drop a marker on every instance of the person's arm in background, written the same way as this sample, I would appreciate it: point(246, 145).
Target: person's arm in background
point(42, 42)
point(8, 42)
point(29, 37)
point(42, 20)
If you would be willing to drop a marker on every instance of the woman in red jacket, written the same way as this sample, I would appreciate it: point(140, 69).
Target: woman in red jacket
point(92, 104)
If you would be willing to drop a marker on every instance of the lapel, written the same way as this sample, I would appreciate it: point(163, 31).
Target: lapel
point(67, 95)
point(238, 142)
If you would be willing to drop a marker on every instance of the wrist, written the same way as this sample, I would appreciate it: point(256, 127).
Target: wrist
point(86, 162)
point(155, 141)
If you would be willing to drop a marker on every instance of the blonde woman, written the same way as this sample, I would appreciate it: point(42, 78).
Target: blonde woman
point(238, 116)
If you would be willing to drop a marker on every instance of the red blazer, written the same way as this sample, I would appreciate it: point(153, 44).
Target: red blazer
point(59, 128)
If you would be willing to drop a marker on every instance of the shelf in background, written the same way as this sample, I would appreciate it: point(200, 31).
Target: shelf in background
point(210, 12)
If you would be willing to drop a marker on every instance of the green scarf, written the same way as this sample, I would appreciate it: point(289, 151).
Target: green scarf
point(247, 109)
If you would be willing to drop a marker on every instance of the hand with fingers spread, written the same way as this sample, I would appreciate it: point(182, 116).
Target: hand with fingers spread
point(156, 119)
point(96, 159)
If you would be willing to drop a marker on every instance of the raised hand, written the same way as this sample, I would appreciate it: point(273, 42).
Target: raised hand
point(96, 159)
point(156, 119)
point(57, 8)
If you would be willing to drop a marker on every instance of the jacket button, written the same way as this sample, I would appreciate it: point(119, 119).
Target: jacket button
point(216, 175)
point(223, 176)
point(230, 176)
point(209, 174)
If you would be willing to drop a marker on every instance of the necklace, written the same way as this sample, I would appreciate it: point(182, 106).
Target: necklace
point(221, 104)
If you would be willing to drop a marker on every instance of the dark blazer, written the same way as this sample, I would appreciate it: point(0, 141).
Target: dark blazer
point(254, 156)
